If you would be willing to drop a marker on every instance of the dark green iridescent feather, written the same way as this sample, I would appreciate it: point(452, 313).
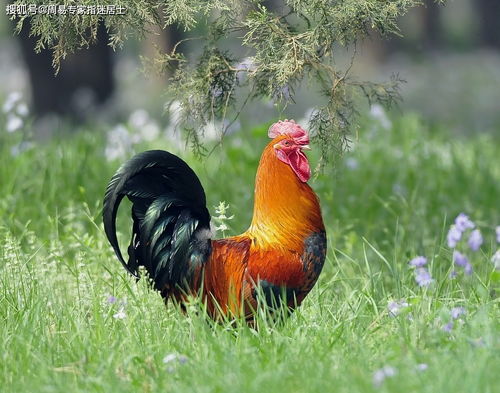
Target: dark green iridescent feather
point(168, 208)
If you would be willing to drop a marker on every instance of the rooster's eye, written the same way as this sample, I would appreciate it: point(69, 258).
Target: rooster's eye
point(286, 143)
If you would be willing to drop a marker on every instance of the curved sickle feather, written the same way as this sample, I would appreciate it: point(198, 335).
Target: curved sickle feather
point(158, 183)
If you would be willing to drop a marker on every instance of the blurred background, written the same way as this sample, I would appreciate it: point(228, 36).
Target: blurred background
point(392, 197)
point(449, 57)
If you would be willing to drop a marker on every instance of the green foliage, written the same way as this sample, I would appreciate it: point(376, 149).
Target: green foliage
point(61, 333)
point(281, 49)
point(66, 33)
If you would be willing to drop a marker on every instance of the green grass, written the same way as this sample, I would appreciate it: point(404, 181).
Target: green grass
point(58, 333)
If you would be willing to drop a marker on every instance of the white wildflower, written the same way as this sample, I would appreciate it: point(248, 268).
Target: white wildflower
point(11, 101)
point(150, 131)
point(22, 109)
point(377, 112)
point(172, 357)
point(120, 314)
point(380, 375)
point(221, 218)
point(212, 130)
point(138, 118)
point(14, 123)
point(119, 143)
point(222, 227)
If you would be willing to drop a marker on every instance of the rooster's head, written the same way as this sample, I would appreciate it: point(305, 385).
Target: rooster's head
point(289, 141)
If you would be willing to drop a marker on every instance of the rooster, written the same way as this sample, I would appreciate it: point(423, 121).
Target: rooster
point(276, 261)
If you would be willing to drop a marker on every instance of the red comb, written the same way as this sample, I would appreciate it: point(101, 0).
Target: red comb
point(289, 127)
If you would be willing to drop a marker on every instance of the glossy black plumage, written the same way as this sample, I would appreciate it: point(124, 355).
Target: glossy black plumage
point(169, 213)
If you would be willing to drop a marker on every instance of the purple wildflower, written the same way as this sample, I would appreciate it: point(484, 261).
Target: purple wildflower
point(448, 327)
point(460, 259)
point(422, 367)
point(418, 261)
point(497, 230)
point(423, 277)
point(380, 375)
point(351, 163)
point(468, 269)
point(111, 299)
point(462, 222)
point(457, 312)
point(453, 274)
point(453, 237)
point(395, 307)
point(475, 240)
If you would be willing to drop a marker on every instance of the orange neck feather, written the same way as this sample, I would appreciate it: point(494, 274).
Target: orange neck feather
point(286, 210)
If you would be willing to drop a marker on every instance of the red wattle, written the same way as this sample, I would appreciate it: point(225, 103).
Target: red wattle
point(300, 165)
point(298, 162)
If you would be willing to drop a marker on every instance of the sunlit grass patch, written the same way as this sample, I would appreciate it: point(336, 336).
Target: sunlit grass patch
point(73, 320)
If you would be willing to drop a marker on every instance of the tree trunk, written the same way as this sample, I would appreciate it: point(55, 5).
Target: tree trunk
point(84, 80)
point(489, 13)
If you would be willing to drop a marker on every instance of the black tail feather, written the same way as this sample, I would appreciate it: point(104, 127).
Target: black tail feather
point(168, 210)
